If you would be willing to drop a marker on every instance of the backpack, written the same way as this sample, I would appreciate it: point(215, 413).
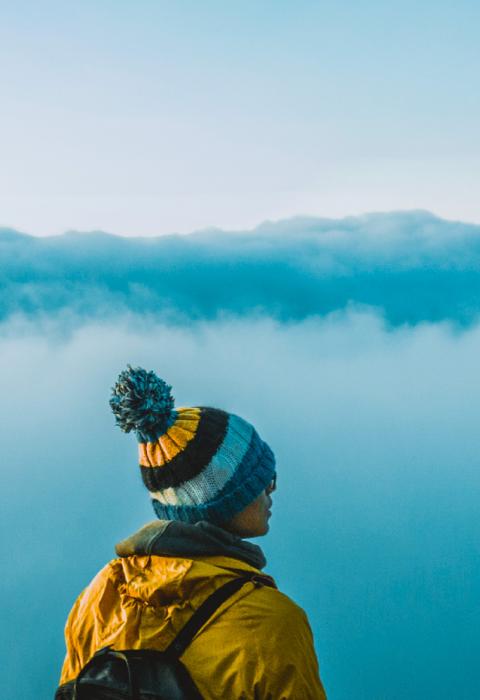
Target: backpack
point(147, 674)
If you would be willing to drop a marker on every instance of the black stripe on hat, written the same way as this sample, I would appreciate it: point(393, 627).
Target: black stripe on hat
point(210, 433)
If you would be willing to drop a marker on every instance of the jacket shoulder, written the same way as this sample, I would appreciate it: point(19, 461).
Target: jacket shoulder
point(269, 610)
point(264, 643)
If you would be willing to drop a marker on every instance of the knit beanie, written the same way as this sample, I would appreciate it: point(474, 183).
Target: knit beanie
point(198, 463)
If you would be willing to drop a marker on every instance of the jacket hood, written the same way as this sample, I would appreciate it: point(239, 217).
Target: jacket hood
point(173, 538)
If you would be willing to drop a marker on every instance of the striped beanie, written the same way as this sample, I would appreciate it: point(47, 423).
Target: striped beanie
point(198, 463)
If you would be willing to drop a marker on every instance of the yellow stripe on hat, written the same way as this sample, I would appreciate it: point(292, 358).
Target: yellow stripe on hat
point(163, 450)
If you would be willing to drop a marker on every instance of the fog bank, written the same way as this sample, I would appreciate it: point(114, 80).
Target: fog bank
point(375, 528)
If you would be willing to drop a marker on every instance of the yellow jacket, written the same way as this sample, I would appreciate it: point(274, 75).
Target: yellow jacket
point(257, 645)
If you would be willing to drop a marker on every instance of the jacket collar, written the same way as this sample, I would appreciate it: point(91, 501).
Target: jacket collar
point(173, 538)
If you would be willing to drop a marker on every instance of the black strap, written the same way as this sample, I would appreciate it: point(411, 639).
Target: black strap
point(206, 610)
point(186, 634)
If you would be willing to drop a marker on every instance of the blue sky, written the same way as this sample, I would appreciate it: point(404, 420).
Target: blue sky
point(154, 117)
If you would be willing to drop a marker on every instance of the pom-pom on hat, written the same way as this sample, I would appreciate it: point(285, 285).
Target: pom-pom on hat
point(198, 463)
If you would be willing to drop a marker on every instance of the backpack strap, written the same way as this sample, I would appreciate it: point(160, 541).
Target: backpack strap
point(176, 648)
point(208, 608)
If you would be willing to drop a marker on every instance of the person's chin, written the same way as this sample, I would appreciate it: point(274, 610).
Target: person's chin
point(259, 531)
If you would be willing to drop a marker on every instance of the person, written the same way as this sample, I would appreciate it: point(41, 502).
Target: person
point(211, 479)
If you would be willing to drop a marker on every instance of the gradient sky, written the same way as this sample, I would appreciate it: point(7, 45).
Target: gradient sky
point(151, 117)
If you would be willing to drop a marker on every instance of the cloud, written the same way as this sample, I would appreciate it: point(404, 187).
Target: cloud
point(408, 266)
point(375, 518)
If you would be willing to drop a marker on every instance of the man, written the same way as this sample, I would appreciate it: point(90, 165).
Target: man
point(210, 478)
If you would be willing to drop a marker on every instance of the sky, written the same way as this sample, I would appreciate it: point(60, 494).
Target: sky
point(155, 117)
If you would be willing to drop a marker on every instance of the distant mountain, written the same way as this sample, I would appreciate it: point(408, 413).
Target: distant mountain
point(409, 266)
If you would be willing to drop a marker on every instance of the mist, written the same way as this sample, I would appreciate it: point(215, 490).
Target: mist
point(375, 525)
